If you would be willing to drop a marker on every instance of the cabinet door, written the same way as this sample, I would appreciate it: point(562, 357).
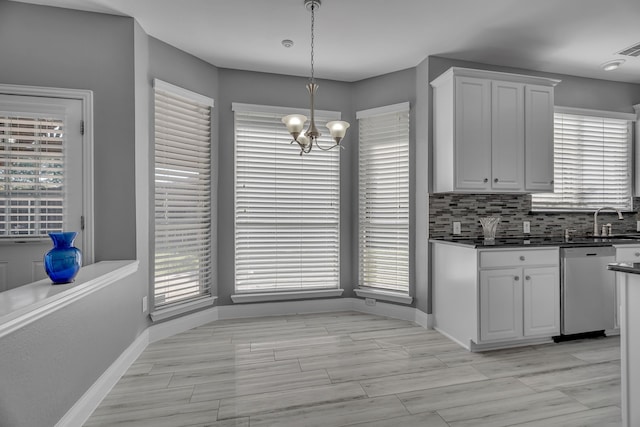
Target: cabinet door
point(472, 133)
point(541, 301)
point(500, 304)
point(538, 139)
point(507, 134)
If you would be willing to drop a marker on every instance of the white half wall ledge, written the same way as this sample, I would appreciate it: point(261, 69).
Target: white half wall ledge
point(25, 304)
point(85, 406)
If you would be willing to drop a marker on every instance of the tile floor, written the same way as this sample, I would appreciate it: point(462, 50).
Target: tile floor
point(356, 369)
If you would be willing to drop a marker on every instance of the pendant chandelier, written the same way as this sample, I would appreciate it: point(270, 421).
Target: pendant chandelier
point(295, 122)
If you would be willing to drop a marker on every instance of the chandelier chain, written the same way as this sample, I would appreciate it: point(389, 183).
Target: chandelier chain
point(313, 21)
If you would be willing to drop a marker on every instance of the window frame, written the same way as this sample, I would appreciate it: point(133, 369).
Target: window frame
point(205, 298)
point(390, 293)
point(280, 134)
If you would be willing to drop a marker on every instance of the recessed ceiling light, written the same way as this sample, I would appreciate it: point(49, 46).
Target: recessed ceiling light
point(287, 43)
point(612, 65)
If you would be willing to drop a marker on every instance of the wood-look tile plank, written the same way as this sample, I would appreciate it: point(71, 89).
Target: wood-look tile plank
point(276, 401)
point(574, 346)
point(297, 342)
point(388, 333)
point(428, 419)
point(364, 326)
point(610, 416)
point(514, 410)
point(318, 350)
point(464, 357)
point(429, 349)
point(240, 372)
point(194, 351)
point(596, 394)
point(463, 394)
point(336, 414)
point(277, 335)
point(572, 376)
point(421, 381)
point(527, 364)
point(132, 401)
point(265, 384)
point(197, 361)
point(350, 358)
point(139, 368)
point(608, 354)
point(369, 370)
point(188, 414)
point(426, 337)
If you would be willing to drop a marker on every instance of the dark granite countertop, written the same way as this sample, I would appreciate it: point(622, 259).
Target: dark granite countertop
point(625, 267)
point(540, 241)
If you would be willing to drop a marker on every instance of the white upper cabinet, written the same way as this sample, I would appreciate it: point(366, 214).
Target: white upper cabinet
point(538, 138)
point(493, 132)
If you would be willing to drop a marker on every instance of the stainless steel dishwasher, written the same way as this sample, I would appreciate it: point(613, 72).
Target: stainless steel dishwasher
point(587, 298)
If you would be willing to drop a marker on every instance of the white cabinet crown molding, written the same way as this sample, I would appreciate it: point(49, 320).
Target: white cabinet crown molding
point(494, 75)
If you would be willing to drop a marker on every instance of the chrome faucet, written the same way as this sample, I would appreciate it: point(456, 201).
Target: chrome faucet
point(596, 232)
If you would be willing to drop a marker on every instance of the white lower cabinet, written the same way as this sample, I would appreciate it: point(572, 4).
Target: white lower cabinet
point(500, 304)
point(541, 302)
point(492, 298)
point(517, 303)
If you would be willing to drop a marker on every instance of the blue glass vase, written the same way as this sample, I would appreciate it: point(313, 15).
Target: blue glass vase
point(63, 262)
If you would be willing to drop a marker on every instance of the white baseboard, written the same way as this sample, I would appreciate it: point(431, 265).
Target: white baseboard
point(85, 406)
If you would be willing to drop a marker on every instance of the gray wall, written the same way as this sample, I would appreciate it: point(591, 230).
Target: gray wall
point(45, 46)
point(47, 366)
point(286, 91)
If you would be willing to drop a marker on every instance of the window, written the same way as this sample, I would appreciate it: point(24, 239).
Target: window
point(592, 163)
point(384, 198)
point(183, 267)
point(32, 174)
point(287, 206)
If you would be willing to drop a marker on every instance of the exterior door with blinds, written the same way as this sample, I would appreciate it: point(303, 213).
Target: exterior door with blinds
point(40, 181)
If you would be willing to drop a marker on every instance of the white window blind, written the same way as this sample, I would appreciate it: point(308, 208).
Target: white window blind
point(384, 198)
point(287, 206)
point(32, 174)
point(183, 219)
point(592, 164)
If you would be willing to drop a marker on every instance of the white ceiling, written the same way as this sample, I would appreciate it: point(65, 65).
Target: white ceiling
point(356, 39)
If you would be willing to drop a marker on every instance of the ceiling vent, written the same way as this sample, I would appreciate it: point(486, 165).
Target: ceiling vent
point(631, 51)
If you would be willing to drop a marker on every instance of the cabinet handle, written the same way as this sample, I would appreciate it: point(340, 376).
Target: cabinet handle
point(527, 277)
point(486, 180)
point(521, 257)
point(495, 179)
point(516, 278)
point(551, 182)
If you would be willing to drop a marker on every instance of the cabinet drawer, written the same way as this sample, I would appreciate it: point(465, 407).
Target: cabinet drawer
point(628, 254)
point(514, 258)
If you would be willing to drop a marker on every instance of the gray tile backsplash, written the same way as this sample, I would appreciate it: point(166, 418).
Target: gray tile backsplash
point(445, 208)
